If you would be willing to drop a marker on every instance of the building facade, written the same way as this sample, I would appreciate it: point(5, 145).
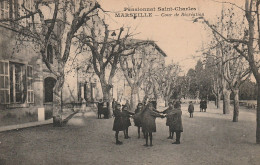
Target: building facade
point(26, 84)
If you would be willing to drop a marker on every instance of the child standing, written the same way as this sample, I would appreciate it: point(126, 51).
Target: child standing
point(191, 109)
point(126, 119)
point(167, 111)
point(148, 117)
point(118, 122)
point(137, 119)
point(175, 122)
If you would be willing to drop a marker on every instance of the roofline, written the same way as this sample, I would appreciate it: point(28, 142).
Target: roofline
point(151, 42)
point(159, 49)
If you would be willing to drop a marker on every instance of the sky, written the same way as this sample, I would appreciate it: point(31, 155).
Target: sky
point(177, 36)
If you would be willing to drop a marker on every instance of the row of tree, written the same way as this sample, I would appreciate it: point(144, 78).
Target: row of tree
point(233, 51)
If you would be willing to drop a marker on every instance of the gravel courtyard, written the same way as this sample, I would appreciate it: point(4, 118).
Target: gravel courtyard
point(208, 138)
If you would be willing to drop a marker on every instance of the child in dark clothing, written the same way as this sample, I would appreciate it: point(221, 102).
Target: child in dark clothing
point(175, 122)
point(167, 111)
point(137, 119)
point(191, 109)
point(148, 117)
point(126, 120)
point(118, 122)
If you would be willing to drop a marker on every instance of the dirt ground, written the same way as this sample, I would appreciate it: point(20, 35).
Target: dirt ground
point(208, 138)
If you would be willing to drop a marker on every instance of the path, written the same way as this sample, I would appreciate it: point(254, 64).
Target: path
point(208, 138)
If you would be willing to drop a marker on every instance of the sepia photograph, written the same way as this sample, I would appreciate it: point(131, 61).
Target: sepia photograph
point(129, 82)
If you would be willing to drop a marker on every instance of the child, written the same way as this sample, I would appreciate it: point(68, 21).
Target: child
point(191, 109)
point(100, 108)
point(137, 119)
point(167, 111)
point(118, 122)
point(175, 122)
point(201, 105)
point(204, 105)
point(126, 115)
point(148, 117)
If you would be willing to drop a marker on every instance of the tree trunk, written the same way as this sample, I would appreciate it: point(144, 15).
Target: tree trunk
point(166, 102)
point(258, 116)
point(218, 100)
point(107, 98)
point(57, 102)
point(138, 95)
point(226, 101)
point(236, 105)
point(133, 98)
point(145, 99)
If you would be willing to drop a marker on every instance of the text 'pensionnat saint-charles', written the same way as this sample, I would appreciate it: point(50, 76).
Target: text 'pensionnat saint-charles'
point(153, 11)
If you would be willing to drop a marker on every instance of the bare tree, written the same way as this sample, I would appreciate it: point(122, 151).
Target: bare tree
point(137, 67)
point(167, 80)
point(247, 46)
point(134, 68)
point(107, 47)
point(213, 65)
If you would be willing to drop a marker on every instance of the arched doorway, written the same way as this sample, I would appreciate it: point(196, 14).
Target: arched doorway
point(49, 84)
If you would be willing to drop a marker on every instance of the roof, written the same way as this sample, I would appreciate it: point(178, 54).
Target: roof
point(150, 42)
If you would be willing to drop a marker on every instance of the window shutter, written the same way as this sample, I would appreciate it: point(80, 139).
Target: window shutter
point(30, 93)
point(4, 83)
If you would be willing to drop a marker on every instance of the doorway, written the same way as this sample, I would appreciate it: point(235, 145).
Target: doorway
point(49, 84)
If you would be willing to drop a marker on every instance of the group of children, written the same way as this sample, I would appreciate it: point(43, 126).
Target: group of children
point(144, 117)
point(203, 107)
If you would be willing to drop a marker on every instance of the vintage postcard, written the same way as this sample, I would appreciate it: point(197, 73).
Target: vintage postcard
point(129, 82)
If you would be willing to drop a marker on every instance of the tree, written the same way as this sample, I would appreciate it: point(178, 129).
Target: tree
point(150, 85)
point(237, 74)
point(192, 83)
point(245, 46)
point(167, 80)
point(107, 47)
point(213, 73)
point(248, 90)
point(67, 16)
point(134, 68)
point(233, 73)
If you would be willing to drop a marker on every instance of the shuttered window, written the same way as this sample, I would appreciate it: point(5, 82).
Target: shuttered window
point(4, 83)
point(4, 6)
point(30, 93)
point(16, 83)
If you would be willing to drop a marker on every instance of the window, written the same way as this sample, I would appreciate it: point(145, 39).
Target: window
point(4, 6)
point(30, 94)
point(28, 4)
point(82, 91)
point(20, 11)
point(50, 54)
point(4, 83)
point(49, 84)
point(9, 9)
point(16, 82)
